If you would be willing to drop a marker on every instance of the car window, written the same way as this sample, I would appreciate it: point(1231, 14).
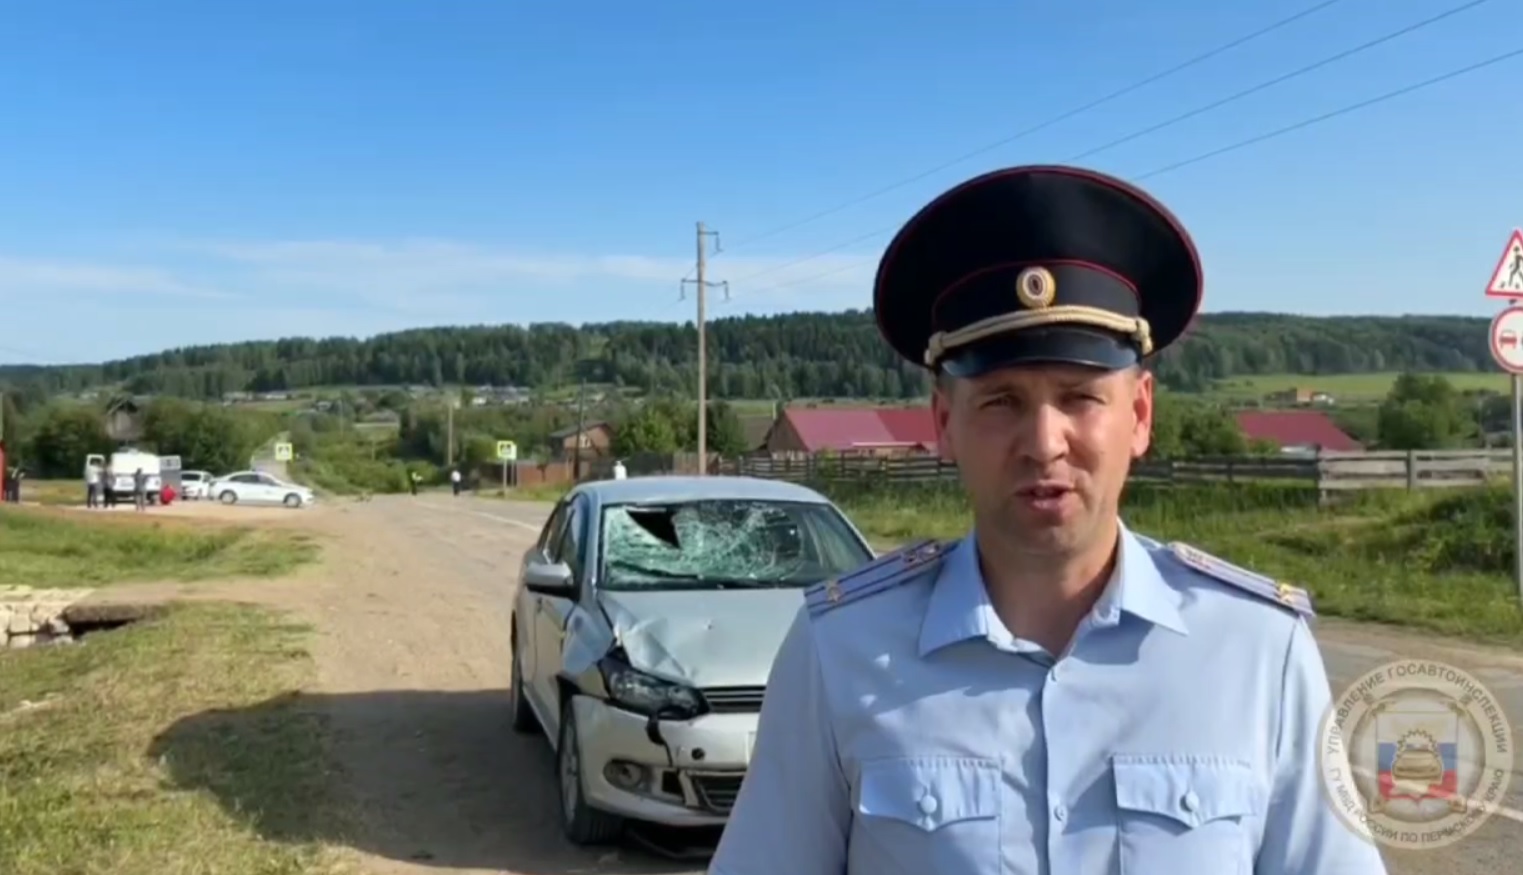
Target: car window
point(714, 544)
point(550, 535)
point(569, 550)
point(244, 478)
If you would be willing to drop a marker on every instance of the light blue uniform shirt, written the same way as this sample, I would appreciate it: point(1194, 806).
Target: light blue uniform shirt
point(905, 730)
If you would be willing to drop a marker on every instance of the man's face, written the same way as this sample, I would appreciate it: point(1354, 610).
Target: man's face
point(1044, 451)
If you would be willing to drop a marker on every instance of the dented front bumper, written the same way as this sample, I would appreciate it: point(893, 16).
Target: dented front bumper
point(690, 781)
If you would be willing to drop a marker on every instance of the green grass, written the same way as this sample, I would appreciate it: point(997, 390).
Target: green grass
point(1344, 387)
point(108, 749)
point(355, 463)
point(41, 547)
point(1439, 560)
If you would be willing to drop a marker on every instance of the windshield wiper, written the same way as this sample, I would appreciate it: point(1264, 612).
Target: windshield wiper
point(658, 573)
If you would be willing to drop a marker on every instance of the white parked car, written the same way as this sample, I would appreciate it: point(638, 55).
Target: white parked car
point(258, 487)
point(644, 627)
point(193, 485)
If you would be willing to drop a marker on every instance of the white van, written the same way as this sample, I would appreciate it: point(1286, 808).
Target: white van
point(125, 463)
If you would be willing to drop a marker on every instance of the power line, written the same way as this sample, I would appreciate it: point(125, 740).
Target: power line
point(1269, 83)
point(1231, 147)
point(1345, 110)
point(1262, 86)
point(1041, 126)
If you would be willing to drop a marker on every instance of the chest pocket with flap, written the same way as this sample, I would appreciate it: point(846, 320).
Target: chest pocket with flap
point(1182, 815)
point(934, 814)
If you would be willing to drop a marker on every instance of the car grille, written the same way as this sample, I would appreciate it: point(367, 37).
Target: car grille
point(734, 700)
point(717, 792)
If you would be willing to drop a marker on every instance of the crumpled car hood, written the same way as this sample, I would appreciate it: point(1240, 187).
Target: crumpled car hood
point(724, 638)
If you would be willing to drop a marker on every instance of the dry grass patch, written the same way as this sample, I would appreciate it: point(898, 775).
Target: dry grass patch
point(96, 756)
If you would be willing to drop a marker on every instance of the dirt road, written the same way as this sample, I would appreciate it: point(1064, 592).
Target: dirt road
point(412, 605)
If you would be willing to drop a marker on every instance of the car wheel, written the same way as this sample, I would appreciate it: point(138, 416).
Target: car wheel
point(523, 716)
point(582, 824)
point(293, 500)
point(228, 497)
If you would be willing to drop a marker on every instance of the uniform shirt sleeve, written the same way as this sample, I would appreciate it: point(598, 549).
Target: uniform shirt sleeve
point(1303, 835)
point(793, 812)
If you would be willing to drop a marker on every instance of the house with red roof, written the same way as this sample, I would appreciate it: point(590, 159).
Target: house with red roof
point(884, 431)
point(891, 431)
point(1295, 431)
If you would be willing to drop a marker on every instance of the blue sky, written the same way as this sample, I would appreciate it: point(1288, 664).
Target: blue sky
point(176, 172)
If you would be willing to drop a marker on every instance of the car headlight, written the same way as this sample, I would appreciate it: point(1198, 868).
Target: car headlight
point(646, 694)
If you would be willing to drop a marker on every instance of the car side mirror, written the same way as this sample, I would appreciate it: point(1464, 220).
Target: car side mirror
point(549, 578)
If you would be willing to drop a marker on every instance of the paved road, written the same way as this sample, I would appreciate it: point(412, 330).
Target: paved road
point(417, 660)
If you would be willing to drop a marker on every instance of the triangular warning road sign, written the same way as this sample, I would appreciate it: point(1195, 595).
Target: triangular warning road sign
point(1507, 279)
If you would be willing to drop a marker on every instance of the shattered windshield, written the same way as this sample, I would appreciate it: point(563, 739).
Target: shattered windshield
point(716, 544)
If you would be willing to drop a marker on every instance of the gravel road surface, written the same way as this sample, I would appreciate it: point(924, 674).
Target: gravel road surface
point(413, 606)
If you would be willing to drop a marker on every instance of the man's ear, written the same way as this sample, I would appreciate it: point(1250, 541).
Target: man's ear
point(943, 395)
point(1142, 410)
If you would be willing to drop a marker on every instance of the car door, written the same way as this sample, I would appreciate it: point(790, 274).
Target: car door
point(245, 486)
point(552, 611)
point(270, 489)
point(526, 608)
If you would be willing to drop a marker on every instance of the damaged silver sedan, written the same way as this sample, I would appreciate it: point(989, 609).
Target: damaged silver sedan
point(644, 627)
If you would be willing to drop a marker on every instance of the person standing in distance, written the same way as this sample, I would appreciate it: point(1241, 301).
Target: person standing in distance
point(1052, 693)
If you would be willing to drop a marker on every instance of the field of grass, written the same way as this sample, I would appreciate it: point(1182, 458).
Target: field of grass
point(107, 747)
point(1439, 560)
point(53, 493)
point(350, 463)
point(43, 547)
point(1345, 387)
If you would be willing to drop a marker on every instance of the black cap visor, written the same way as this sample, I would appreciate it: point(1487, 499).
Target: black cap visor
point(1055, 344)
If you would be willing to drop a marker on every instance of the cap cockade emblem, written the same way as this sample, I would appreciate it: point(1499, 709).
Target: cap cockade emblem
point(1036, 287)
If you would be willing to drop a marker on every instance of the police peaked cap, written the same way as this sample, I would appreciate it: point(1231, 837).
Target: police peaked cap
point(1037, 264)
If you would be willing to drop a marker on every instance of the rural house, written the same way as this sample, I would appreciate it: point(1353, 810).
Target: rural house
point(1295, 432)
point(594, 438)
point(881, 431)
point(1300, 396)
point(124, 420)
point(754, 429)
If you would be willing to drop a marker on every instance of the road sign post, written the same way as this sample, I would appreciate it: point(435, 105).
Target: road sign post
point(1507, 349)
point(507, 453)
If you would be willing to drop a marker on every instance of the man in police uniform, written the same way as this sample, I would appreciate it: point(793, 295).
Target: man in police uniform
point(1052, 693)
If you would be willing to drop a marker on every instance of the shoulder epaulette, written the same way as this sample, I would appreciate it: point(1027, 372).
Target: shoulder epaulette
point(1251, 582)
point(883, 573)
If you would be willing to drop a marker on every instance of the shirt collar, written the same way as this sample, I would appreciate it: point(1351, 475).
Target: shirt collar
point(959, 607)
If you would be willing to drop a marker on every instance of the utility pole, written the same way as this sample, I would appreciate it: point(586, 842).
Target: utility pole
point(703, 284)
point(581, 429)
point(449, 450)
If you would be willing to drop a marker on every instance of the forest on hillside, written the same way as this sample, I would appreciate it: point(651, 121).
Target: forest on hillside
point(796, 355)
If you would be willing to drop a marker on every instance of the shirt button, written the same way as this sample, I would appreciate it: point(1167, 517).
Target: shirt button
point(1190, 801)
point(927, 805)
point(1059, 813)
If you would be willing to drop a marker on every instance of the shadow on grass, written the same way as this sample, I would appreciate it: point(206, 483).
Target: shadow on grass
point(437, 778)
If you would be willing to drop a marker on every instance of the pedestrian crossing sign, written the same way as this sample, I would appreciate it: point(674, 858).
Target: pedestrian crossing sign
point(1507, 279)
point(507, 451)
point(283, 452)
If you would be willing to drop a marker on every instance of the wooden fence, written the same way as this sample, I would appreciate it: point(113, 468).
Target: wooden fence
point(1328, 471)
